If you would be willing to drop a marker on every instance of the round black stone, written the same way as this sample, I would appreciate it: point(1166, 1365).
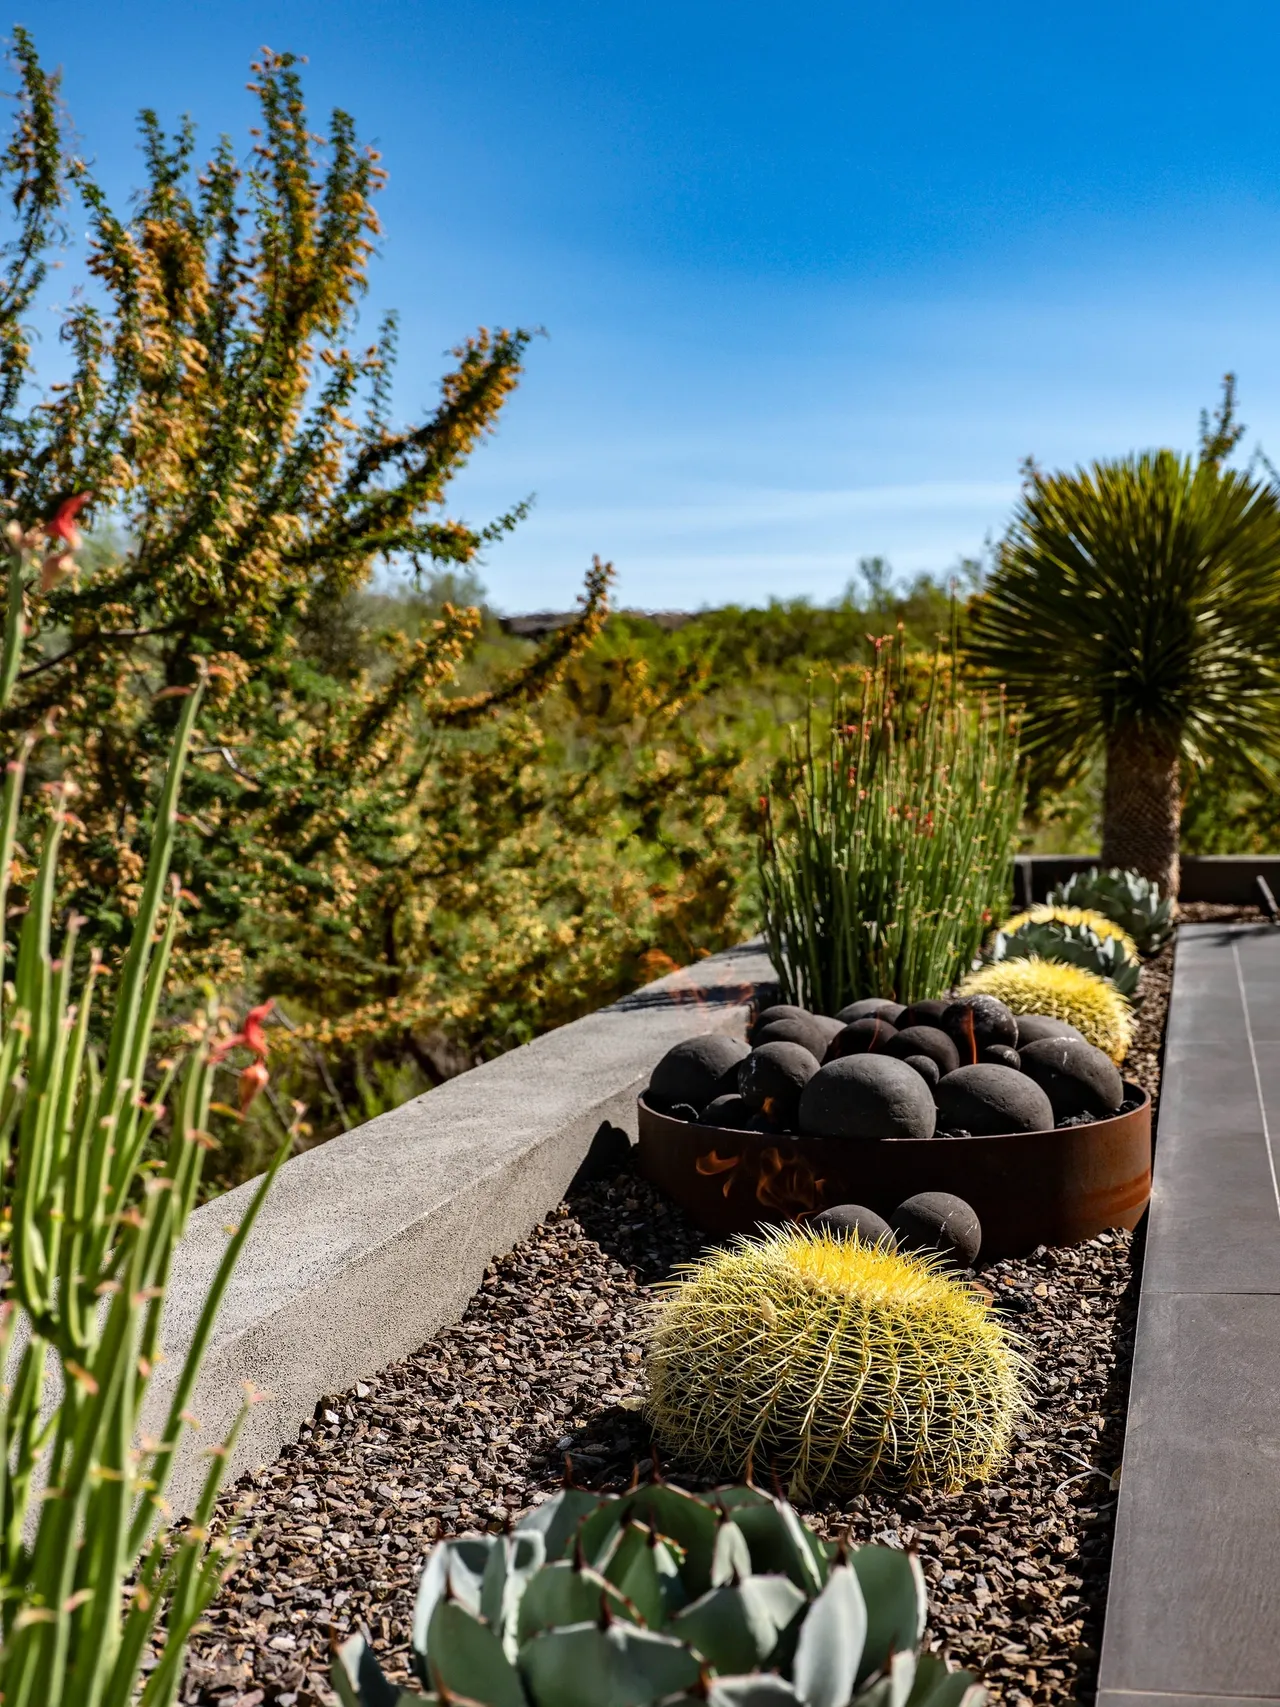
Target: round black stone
point(922, 1013)
point(936, 1221)
point(1077, 1078)
point(730, 1111)
point(926, 1066)
point(683, 1111)
point(811, 1031)
point(1032, 1028)
point(868, 1008)
point(974, 1023)
point(925, 1040)
point(989, 1101)
point(766, 1016)
point(697, 1069)
point(867, 1096)
point(860, 1037)
point(850, 1220)
point(772, 1077)
point(1001, 1055)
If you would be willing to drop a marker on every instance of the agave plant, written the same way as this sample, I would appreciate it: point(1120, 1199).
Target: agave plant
point(1135, 611)
point(1131, 901)
point(1076, 944)
point(657, 1596)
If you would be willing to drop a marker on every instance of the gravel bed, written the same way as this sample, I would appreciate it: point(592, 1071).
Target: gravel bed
point(546, 1363)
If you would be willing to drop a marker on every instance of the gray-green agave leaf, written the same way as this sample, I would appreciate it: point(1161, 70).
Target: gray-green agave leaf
point(466, 1658)
point(897, 1604)
point(618, 1665)
point(457, 1568)
point(776, 1539)
point(762, 1690)
point(832, 1640)
point(737, 1626)
point(935, 1686)
point(561, 1594)
point(358, 1679)
point(512, 1562)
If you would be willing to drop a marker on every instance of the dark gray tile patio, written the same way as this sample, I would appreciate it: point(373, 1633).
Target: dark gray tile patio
point(1148, 1698)
point(1193, 1612)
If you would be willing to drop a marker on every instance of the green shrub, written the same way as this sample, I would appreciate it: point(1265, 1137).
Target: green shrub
point(888, 840)
point(606, 1600)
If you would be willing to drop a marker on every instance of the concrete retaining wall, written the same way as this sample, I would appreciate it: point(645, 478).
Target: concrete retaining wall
point(370, 1243)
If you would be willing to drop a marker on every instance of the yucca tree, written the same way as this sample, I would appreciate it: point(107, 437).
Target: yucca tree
point(1135, 611)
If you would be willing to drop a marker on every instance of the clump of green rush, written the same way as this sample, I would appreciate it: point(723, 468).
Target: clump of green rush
point(887, 846)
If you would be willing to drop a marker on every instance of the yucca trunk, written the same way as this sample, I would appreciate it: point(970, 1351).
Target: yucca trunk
point(1142, 806)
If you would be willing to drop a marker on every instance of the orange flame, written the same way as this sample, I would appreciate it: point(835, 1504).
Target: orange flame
point(712, 1164)
point(789, 1185)
point(966, 1025)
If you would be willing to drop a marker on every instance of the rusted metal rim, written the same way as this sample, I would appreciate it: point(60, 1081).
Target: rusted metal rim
point(1028, 1188)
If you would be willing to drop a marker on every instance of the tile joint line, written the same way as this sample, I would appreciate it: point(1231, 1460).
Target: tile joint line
point(1257, 1076)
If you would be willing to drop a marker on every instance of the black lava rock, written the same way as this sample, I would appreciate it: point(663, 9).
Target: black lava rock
point(766, 1016)
point(861, 1037)
point(867, 1096)
point(830, 1027)
point(697, 1069)
point(1077, 1078)
point(772, 1077)
point(1032, 1028)
point(974, 1023)
point(925, 1040)
point(871, 1007)
point(731, 1111)
point(1001, 1055)
point(926, 1066)
point(848, 1220)
point(922, 1013)
point(987, 1101)
point(811, 1031)
point(936, 1221)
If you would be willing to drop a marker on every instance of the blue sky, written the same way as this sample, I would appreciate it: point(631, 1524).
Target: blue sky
point(815, 278)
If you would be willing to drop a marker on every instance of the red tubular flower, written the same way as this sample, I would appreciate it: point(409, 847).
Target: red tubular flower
point(62, 523)
point(251, 1034)
point(252, 1080)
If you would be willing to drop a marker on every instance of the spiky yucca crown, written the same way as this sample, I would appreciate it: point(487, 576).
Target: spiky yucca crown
point(1094, 1006)
point(834, 1363)
point(1097, 922)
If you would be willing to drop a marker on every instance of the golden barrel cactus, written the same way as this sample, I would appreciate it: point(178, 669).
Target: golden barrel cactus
point(836, 1364)
point(1091, 1003)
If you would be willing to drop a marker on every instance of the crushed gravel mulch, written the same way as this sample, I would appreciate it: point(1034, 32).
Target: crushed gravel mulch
point(546, 1363)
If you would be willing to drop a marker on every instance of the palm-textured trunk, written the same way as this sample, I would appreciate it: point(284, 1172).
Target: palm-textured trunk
point(1142, 807)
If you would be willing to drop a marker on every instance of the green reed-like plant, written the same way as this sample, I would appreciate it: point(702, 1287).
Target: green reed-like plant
point(95, 1199)
point(888, 849)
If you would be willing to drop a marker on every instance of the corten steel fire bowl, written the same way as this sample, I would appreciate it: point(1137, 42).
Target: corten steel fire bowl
point(1028, 1188)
